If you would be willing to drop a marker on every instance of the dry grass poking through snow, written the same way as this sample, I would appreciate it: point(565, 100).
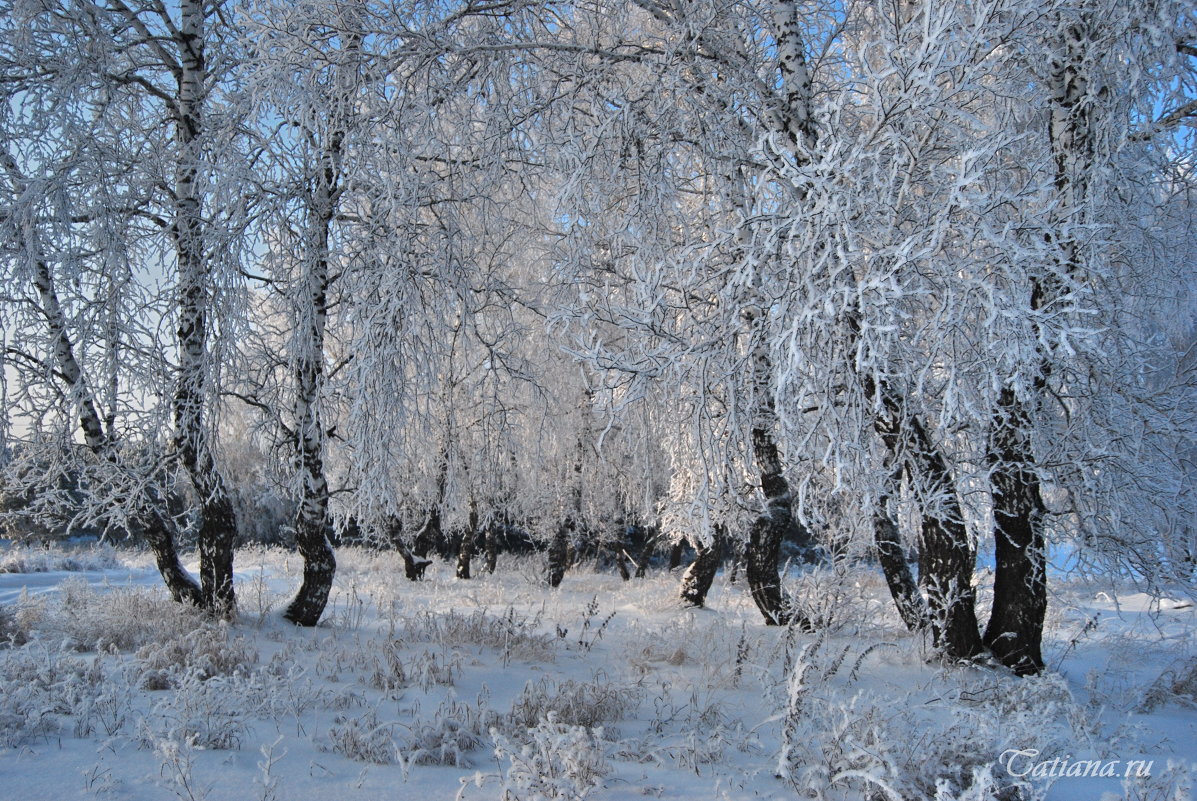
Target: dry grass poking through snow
point(499, 688)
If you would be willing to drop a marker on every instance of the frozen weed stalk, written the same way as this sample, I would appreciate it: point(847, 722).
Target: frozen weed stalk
point(267, 781)
point(176, 760)
point(555, 761)
point(595, 632)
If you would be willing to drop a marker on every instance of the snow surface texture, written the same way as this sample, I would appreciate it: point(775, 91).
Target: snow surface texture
point(496, 688)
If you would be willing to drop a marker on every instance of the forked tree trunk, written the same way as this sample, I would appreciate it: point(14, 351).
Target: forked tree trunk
point(946, 557)
point(697, 580)
point(413, 568)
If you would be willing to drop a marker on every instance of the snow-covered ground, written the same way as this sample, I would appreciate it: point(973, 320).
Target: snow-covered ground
point(499, 688)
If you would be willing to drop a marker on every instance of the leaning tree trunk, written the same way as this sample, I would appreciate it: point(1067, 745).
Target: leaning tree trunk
point(892, 556)
point(157, 533)
point(776, 522)
point(697, 580)
point(145, 522)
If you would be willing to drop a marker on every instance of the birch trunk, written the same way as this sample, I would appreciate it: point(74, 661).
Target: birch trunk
point(217, 519)
point(1015, 629)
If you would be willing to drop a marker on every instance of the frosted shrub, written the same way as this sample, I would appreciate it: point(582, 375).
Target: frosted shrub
point(102, 704)
point(363, 738)
point(26, 713)
point(841, 596)
point(176, 761)
point(559, 761)
point(254, 595)
point(424, 670)
point(40, 687)
point(982, 787)
point(11, 633)
point(428, 669)
point(123, 619)
point(588, 704)
point(511, 634)
point(1177, 684)
point(389, 671)
point(206, 652)
point(274, 692)
point(454, 730)
point(209, 713)
point(839, 743)
point(35, 559)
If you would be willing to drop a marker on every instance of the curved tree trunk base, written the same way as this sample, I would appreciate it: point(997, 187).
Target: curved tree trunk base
point(697, 580)
point(902, 586)
point(183, 588)
point(319, 567)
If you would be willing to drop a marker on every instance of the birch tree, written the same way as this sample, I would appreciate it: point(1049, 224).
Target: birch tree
point(76, 205)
